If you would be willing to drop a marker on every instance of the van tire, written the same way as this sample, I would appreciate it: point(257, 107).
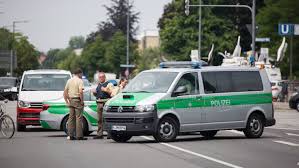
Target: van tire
point(120, 138)
point(21, 128)
point(86, 132)
point(297, 105)
point(167, 125)
point(208, 134)
point(255, 126)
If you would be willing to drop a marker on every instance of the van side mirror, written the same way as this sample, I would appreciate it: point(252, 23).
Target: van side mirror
point(180, 90)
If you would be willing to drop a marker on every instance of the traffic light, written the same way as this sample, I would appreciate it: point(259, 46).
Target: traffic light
point(187, 3)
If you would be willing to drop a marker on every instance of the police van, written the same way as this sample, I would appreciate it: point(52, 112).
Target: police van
point(183, 97)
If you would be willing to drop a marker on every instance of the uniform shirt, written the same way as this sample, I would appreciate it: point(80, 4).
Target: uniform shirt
point(74, 86)
point(103, 95)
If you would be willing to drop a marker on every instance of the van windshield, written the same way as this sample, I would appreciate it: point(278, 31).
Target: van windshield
point(151, 82)
point(45, 82)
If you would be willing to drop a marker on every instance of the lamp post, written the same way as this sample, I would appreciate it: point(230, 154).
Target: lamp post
point(252, 10)
point(12, 52)
point(127, 73)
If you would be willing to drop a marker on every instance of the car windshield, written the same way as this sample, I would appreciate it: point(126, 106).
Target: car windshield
point(7, 82)
point(151, 82)
point(45, 82)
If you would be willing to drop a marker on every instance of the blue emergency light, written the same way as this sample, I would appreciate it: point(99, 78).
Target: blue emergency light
point(183, 64)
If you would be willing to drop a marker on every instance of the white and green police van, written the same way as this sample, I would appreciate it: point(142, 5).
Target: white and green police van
point(184, 97)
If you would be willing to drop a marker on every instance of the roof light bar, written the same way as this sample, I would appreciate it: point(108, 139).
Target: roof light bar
point(182, 64)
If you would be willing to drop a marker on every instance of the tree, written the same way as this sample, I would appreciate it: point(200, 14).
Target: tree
point(117, 21)
point(27, 56)
point(275, 12)
point(77, 42)
point(148, 59)
point(179, 33)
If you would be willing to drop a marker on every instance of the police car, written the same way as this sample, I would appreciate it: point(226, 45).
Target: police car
point(182, 97)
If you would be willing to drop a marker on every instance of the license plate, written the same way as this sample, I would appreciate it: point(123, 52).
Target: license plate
point(119, 128)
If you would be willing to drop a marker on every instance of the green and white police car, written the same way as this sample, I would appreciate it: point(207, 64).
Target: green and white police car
point(182, 97)
point(55, 114)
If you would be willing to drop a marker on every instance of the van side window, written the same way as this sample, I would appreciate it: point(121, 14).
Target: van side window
point(247, 81)
point(190, 81)
point(217, 82)
point(209, 82)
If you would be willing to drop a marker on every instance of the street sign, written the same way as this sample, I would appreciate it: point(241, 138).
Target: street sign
point(187, 8)
point(286, 29)
point(265, 39)
point(127, 66)
point(296, 29)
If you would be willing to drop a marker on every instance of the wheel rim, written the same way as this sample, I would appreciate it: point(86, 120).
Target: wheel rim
point(7, 127)
point(255, 126)
point(166, 129)
point(298, 106)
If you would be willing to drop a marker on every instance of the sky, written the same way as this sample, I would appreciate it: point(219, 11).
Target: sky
point(51, 23)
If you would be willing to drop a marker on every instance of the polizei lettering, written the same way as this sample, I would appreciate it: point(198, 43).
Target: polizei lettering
point(217, 103)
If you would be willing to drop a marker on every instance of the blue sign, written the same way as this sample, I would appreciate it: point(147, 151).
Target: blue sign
point(286, 29)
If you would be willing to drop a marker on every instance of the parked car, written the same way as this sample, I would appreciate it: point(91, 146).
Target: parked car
point(294, 100)
point(9, 87)
point(55, 114)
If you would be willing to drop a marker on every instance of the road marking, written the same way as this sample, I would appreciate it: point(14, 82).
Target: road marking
point(291, 134)
point(196, 154)
point(278, 128)
point(287, 143)
point(235, 132)
point(298, 164)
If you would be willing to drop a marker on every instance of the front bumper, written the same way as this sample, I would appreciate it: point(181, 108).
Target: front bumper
point(136, 123)
point(28, 116)
point(270, 122)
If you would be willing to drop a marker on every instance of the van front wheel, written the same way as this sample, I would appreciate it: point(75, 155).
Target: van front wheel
point(255, 126)
point(167, 130)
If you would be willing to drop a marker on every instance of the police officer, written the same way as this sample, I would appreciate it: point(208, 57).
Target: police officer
point(103, 94)
point(73, 96)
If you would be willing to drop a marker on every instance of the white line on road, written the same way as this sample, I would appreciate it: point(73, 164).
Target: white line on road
point(196, 154)
point(291, 134)
point(287, 143)
point(281, 128)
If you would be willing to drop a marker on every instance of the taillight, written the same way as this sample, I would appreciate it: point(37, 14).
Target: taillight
point(45, 106)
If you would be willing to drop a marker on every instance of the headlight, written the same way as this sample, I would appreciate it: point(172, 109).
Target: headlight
point(145, 108)
point(23, 104)
point(105, 108)
point(6, 90)
point(294, 94)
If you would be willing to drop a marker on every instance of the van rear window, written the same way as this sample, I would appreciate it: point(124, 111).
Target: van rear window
point(227, 81)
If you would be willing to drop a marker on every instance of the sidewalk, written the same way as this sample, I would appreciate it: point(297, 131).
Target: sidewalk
point(281, 106)
point(285, 117)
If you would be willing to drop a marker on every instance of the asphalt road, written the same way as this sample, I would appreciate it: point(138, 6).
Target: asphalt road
point(36, 148)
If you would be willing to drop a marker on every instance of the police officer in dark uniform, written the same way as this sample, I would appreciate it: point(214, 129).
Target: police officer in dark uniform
point(103, 94)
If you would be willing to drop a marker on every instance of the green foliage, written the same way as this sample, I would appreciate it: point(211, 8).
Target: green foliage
point(275, 12)
point(179, 33)
point(148, 59)
point(117, 21)
point(27, 56)
point(77, 42)
point(5, 39)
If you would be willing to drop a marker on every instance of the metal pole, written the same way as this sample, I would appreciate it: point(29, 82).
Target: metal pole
point(128, 36)
point(291, 58)
point(12, 48)
point(253, 27)
point(199, 31)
